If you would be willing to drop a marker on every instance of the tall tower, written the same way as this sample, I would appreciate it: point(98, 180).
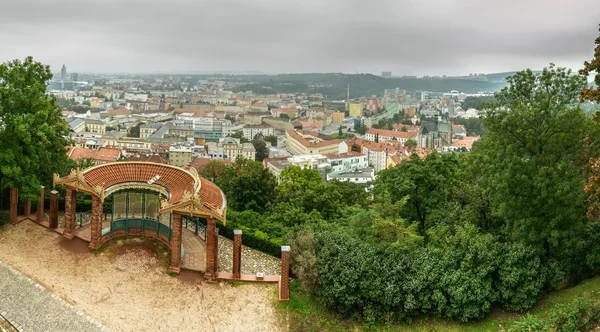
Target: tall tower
point(63, 73)
point(348, 99)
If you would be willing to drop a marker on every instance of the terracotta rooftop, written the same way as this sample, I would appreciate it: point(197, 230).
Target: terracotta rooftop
point(175, 180)
point(393, 133)
point(296, 135)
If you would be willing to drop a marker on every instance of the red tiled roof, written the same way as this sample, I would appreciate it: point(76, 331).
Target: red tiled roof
point(199, 163)
point(174, 179)
point(108, 154)
point(392, 133)
point(344, 155)
point(308, 143)
point(81, 153)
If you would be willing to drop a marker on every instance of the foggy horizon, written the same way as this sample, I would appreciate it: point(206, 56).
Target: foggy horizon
point(407, 37)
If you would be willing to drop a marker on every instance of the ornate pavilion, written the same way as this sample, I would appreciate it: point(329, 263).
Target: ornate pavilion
point(150, 200)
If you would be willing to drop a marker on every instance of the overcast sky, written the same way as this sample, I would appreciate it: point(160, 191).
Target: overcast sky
point(407, 37)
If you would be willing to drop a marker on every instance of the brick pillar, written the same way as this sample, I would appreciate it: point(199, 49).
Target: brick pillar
point(53, 222)
point(216, 252)
point(96, 223)
point(237, 253)
point(284, 283)
point(70, 213)
point(39, 212)
point(176, 229)
point(210, 249)
point(27, 208)
point(14, 205)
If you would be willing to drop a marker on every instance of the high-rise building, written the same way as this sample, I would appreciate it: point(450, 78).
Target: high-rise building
point(386, 74)
point(63, 73)
point(74, 77)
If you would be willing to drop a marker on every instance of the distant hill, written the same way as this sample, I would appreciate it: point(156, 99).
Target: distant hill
point(334, 85)
point(501, 77)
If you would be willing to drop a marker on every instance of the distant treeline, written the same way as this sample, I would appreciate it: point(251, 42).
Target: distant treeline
point(334, 85)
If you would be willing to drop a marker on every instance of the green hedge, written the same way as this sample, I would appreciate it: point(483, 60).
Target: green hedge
point(580, 315)
point(253, 238)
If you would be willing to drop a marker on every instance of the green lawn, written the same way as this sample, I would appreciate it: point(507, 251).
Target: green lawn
point(303, 314)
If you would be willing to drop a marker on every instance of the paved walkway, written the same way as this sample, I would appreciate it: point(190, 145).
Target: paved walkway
point(194, 251)
point(30, 307)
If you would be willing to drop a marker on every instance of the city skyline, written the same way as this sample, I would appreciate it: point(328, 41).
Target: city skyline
point(405, 37)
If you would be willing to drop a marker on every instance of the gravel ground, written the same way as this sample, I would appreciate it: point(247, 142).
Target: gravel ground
point(136, 260)
point(32, 308)
point(253, 261)
point(130, 301)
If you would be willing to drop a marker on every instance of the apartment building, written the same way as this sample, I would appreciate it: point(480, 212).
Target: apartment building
point(380, 135)
point(250, 131)
point(300, 142)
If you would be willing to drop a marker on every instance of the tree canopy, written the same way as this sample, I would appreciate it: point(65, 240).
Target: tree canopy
point(33, 135)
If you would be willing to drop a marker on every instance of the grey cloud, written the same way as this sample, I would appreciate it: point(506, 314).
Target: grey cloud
point(405, 36)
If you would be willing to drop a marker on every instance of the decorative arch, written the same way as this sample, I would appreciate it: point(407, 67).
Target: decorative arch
point(186, 193)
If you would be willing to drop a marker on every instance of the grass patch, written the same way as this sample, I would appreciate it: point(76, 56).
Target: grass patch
point(302, 313)
point(173, 274)
point(234, 284)
point(100, 249)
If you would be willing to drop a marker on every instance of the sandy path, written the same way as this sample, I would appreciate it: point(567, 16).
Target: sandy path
point(128, 301)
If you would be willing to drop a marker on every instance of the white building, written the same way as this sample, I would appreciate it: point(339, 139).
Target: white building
point(250, 131)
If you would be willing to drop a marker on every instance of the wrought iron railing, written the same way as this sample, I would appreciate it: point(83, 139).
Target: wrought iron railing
point(83, 218)
point(194, 224)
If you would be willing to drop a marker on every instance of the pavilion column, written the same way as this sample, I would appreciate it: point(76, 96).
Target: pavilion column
point(176, 230)
point(39, 213)
point(96, 223)
point(216, 252)
point(70, 204)
point(53, 222)
point(14, 205)
point(284, 282)
point(210, 249)
point(27, 208)
point(237, 253)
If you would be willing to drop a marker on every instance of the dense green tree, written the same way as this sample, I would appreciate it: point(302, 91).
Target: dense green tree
point(86, 163)
point(271, 139)
point(410, 143)
point(246, 184)
point(532, 157)
point(296, 179)
point(589, 67)
point(476, 102)
point(426, 182)
point(262, 152)
point(135, 130)
point(33, 134)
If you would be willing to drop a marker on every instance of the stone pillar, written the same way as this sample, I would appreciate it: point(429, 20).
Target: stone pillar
point(27, 208)
point(96, 223)
point(237, 253)
point(216, 252)
point(53, 222)
point(69, 231)
point(210, 249)
point(176, 229)
point(14, 205)
point(284, 283)
point(39, 212)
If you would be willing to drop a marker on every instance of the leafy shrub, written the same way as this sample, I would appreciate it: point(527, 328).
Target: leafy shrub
point(304, 258)
point(578, 315)
point(520, 279)
point(4, 217)
point(529, 323)
point(581, 314)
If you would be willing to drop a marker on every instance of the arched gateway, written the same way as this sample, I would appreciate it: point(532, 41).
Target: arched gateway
point(150, 200)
